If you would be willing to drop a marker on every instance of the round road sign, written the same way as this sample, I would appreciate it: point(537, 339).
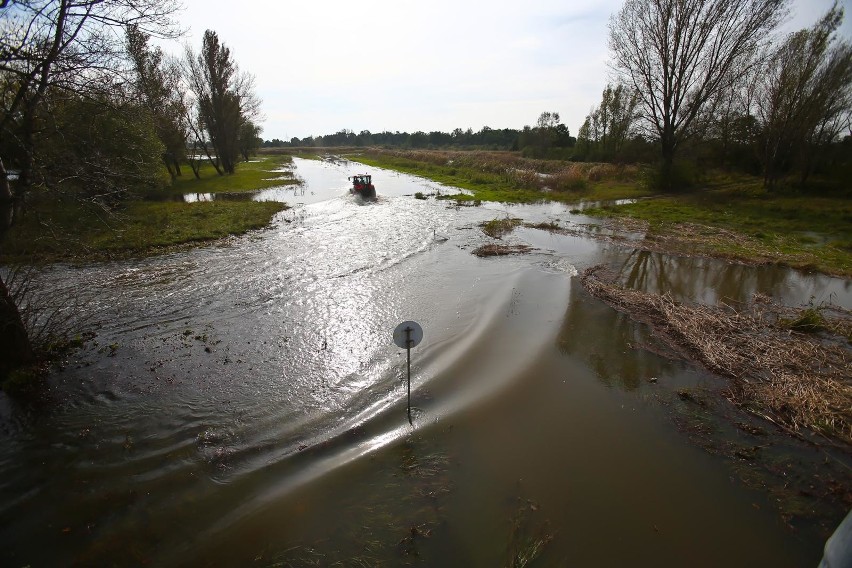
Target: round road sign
point(408, 334)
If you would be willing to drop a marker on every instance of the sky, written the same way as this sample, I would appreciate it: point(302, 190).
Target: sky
point(409, 65)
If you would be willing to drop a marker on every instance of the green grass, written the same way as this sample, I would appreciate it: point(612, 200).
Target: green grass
point(57, 228)
point(249, 176)
point(146, 224)
point(71, 230)
point(486, 184)
point(806, 232)
point(498, 228)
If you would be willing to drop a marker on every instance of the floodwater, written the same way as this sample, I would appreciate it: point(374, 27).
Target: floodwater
point(243, 404)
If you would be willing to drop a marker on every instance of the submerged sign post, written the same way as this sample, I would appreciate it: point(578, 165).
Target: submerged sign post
point(408, 334)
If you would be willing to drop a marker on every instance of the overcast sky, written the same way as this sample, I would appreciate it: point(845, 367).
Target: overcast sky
point(408, 65)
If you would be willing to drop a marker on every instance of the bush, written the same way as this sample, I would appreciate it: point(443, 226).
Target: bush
point(23, 382)
point(682, 176)
point(571, 178)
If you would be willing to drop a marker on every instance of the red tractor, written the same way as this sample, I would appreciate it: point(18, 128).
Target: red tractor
point(362, 185)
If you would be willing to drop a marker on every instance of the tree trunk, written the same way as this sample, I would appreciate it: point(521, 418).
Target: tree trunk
point(15, 348)
point(667, 169)
point(167, 159)
point(5, 188)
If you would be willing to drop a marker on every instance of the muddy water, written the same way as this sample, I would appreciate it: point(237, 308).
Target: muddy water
point(244, 404)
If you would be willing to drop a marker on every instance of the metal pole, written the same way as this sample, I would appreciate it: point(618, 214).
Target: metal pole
point(408, 357)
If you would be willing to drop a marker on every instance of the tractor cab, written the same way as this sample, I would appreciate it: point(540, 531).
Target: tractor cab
point(362, 184)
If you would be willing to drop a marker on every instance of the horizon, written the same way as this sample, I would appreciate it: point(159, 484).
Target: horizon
point(405, 67)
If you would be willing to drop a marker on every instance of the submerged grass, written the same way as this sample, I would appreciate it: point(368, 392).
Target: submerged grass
point(500, 250)
point(797, 381)
point(497, 228)
point(526, 543)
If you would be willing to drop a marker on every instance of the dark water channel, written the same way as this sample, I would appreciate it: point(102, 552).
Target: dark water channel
point(243, 404)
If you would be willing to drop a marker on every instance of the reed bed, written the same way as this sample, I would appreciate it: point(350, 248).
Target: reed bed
point(517, 171)
point(799, 381)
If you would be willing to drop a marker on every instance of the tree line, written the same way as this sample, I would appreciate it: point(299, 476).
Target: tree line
point(548, 138)
point(699, 83)
point(89, 109)
point(707, 81)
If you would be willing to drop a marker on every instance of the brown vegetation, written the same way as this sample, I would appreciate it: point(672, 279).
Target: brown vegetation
point(516, 170)
point(795, 380)
point(500, 250)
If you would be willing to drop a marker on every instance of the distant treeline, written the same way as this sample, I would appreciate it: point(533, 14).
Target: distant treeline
point(548, 139)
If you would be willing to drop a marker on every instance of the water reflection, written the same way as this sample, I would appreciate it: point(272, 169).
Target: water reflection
point(710, 281)
point(198, 197)
point(612, 344)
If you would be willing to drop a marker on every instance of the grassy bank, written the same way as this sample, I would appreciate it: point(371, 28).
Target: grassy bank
point(260, 173)
point(507, 177)
point(739, 220)
point(63, 228)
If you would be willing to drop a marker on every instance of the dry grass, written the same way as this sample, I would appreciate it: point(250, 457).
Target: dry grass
point(796, 380)
point(500, 250)
point(516, 170)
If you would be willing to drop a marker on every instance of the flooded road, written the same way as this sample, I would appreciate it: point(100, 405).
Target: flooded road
point(243, 404)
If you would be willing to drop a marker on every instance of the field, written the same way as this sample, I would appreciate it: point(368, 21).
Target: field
point(67, 228)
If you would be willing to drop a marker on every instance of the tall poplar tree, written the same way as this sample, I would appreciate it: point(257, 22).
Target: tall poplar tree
point(225, 98)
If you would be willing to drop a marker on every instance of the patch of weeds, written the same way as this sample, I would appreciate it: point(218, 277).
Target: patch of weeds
point(497, 228)
point(526, 542)
point(23, 381)
point(419, 195)
point(110, 349)
point(751, 429)
point(551, 227)
point(500, 250)
point(692, 397)
point(57, 345)
point(809, 320)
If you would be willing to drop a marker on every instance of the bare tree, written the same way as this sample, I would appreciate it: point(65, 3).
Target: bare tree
point(677, 54)
point(54, 46)
point(63, 44)
point(805, 96)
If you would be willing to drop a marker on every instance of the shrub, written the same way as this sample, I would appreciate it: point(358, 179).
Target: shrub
point(569, 179)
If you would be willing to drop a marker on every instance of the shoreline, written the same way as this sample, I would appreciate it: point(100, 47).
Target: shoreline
point(730, 217)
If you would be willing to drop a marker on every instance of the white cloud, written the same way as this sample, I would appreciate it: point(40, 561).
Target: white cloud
point(411, 65)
